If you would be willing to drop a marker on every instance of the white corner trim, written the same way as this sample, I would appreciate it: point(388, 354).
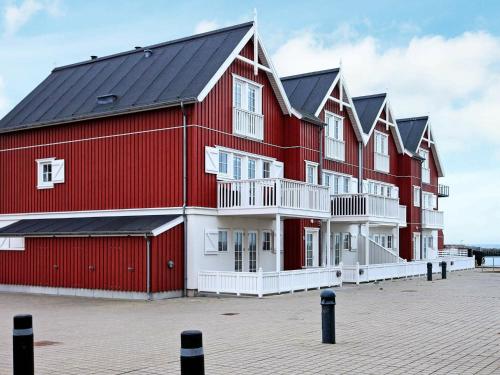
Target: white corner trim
point(165, 227)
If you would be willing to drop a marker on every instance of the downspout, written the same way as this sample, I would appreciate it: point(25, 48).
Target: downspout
point(148, 267)
point(421, 212)
point(184, 193)
point(360, 185)
point(320, 182)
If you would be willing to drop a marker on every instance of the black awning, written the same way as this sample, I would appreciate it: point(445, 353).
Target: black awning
point(90, 226)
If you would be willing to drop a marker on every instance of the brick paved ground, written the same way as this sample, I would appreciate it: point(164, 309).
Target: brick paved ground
point(394, 327)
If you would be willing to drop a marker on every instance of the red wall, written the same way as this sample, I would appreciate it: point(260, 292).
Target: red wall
point(107, 263)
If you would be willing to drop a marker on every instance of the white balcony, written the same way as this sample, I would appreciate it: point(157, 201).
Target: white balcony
point(262, 283)
point(382, 162)
point(432, 219)
point(272, 196)
point(367, 207)
point(248, 124)
point(334, 149)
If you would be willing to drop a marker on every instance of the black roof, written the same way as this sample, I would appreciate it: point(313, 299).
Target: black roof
point(87, 226)
point(307, 91)
point(412, 130)
point(368, 108)
point(175, 71)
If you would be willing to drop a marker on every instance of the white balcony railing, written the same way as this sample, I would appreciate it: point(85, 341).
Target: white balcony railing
point(248, 124)
point(382, 162)
point(262, 283)
point(432, 219)
point(365, 205)
point(272, 192)
point(426, 175)
point(334, 149)
point(453, 252)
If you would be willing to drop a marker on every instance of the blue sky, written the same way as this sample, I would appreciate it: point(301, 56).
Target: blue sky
point(440, 58)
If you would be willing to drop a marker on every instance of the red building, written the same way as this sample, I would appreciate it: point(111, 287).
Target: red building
point(145, 173)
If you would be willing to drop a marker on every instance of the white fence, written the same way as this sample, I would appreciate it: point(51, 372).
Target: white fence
point(334, 149)
point(272, 192)
point(433, 219)
point(452, 252)
point(248, 124)
point(262, 283)
point(382, 162)
point(363, 273)
point(366, 205)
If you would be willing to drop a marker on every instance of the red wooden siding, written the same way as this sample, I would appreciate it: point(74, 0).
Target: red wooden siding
point(106, 263)
point(128, 171)
point(294, 242)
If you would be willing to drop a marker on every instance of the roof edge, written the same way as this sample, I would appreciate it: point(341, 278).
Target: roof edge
point(412, 118)
point(370, 96)
point(310, 74)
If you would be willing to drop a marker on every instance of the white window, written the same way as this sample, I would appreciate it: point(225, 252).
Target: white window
point(346, 241)
point(426, 172)
point(416, 196)
point(266, 169)
point(251, 169)
point(311, 173)
point(389, 241)
point(381, 143)
point(382, 240)
point(238, 251)
point(267, 239)
point(11, 243)
point(334, 126)
point(223, 162)
point(50, 171)
point(247, 95)
point(222, 243)
point(339, 184)
point(237, 168)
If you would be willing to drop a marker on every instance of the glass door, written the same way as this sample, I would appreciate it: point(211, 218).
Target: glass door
point(252, 251)
point(238, 251)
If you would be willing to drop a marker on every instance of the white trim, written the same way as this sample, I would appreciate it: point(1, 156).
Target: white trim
point(247, 80)
point(165, 227)
point(222, 69)
point(433, 148)
point(338, 101)
point(323, 102)
point(248, 61)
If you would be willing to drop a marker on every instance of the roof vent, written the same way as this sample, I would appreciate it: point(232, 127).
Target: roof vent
point(106, 99)
point(147, 53)
point(93, 57)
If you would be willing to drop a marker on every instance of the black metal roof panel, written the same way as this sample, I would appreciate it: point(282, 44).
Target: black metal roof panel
point(412, 130)
point(87, 226)
point(307, 91)
point(368, 108)
point(174, 71)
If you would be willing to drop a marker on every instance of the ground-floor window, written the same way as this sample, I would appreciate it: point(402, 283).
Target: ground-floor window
point(309, 249)
point(252, 251)
point(238, 251)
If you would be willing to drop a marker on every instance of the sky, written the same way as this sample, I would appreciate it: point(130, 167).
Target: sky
point(439, 58)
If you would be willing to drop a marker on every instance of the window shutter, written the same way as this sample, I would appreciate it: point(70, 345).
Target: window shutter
point(4, 243)
point(211, 160)
point(17, 243)
point(58, 171)
point(211, 241)
point(354, 185)
point(365, 187)
point(277, 169)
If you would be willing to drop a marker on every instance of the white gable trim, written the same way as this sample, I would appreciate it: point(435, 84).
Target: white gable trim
point(433, 148)
point(394, 128)
point(163, 228)
point(323, 102)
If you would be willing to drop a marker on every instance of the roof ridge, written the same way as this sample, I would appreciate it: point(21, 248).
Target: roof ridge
point(162, 44)
point(369, 96)
point(318, 72)
point(413, 118)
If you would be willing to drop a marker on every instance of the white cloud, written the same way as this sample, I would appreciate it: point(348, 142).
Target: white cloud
point(205, 25)
point(454, 80)
point(4, 103)
point(16, 16)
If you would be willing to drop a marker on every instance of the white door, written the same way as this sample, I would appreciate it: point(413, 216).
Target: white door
point(312, 247)
point(238, 250)
point(252, 251)
point(416, 246)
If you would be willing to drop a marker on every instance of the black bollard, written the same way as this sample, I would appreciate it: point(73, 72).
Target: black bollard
point(192, 357)
point(22, 339)
point(443, 270)
point(328, 316)
point(429, 271)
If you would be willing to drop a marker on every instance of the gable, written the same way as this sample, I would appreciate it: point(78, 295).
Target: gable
point(369, 108)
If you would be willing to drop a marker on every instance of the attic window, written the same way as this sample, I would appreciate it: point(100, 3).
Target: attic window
point(106, 99)
point(147, 53)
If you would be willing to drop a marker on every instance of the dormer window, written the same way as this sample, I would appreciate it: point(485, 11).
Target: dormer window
point(334, 137)
point(426, 171)
point(381, 152)
point(247, 108)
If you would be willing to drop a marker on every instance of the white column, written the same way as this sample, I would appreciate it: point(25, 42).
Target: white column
point(327, 242)
point(367, 244)
point(277, 241)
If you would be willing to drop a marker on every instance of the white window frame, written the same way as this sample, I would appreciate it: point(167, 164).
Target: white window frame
point(390, 238)
point(426, 170)
point(227, 232)
point(346, 236)
point(10, 244)
point(416, 196)
point(377, 188)
point(227, 172)
point(54, 179)
point(239, 262)
point(384, 149)
point(263, 240)
point(331, 128)
point(245, 86)
point(314, 166)
point(266, 173)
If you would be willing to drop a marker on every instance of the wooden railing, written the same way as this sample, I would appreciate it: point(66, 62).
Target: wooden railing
point(334, 149)
point(248, 124)
point(432, 219)
point(382, 162)
point(262, 283)
point(272, 192)
point(365, 205)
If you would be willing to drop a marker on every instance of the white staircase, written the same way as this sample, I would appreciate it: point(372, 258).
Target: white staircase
point(377, 254)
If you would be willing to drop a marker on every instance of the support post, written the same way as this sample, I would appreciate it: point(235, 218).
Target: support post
point(328, 316)
point(22, 339)
point(277, 241)
point(192, 356)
